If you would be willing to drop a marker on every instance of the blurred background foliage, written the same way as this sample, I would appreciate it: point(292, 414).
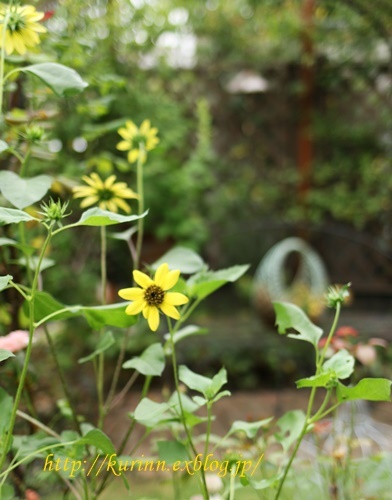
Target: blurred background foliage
point(223, 82)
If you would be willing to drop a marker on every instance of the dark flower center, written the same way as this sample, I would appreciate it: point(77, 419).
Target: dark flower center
point(105, 194)
point(154, 295)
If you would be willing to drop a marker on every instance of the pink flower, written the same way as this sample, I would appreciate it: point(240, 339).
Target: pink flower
point(346, 331)
point(15, 341)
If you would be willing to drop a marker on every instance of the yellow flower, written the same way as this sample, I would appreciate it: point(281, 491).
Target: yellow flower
point(22, 27)
point(108, 194)
point(153, 295)
point(137, 140)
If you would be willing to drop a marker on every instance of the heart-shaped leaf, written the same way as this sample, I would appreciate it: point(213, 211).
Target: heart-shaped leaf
point(23, 192)
point(62, 80)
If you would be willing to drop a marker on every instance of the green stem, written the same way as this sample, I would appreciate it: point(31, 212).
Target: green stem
point(101, 356)
point(208, 431)
point(19, 289)
point(140, 222)
point(2, 56)
point(108, 477)
point(308, 421)
point(177, 385)
point(37, 423)
point(22, 379)
point(62, 378)
point(232, 483)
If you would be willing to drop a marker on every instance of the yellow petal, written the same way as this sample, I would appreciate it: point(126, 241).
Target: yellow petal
point(19, 43)
point(135, 308)
point(133, 155)
point(122, 204)
point(160, 274)
point(83, 191)
point(112, 207)
point(131, 128)
point(153, 318)
point(133, 293)
point(170, 279)
point(145, 127)
point(142, 279)
point(124, 145)
point(170, 311)
point(175, 299)
point(109, 181)
point(90, 200)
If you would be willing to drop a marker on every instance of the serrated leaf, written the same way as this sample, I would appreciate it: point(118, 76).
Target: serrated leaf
point(99, 217)
point(4, 354)
point(12, 216)
point(62, 80)
point(103, 345)
point(206, 282)
point(291, 316)
point(150, 362)
point(291, 425)
point(370, 389)
point(4, 280)
point(23, 192)
point(184, 259)
point(250, 428)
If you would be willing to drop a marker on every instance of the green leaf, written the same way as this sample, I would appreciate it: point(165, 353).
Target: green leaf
point(291, 425)
point(3, 146)
point(4, 354)
point(7, 241)
point(208, 387)
point(62, 80)
point(250, 428)
point(340, 366)
point(341, 363)
point(172, 451)
point(206, 282)
point(12, 216)
point(194, 380)
point(109, 315)
point(290, 316)
point(106, 341)
point(124, 235)
point(150, 362)
point(45, 304)
point(149, 413)
point(99, 217)
point(185, 332)
point(32, 262)
point(6, 404)
point(263, 484)
point(321, 380)
point(370, 389)
point(184, 259)
point(220, 395)
point(7, 492)
point(23, 192)
point(97, 438)
point(188, 405)
point(4, 280)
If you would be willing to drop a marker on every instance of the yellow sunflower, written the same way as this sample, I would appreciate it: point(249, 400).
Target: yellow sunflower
point(135, 137)
point(22, 27)
point(153, 295)
point(108, 194)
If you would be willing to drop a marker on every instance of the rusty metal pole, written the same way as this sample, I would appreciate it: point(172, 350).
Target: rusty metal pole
point(305, 139)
